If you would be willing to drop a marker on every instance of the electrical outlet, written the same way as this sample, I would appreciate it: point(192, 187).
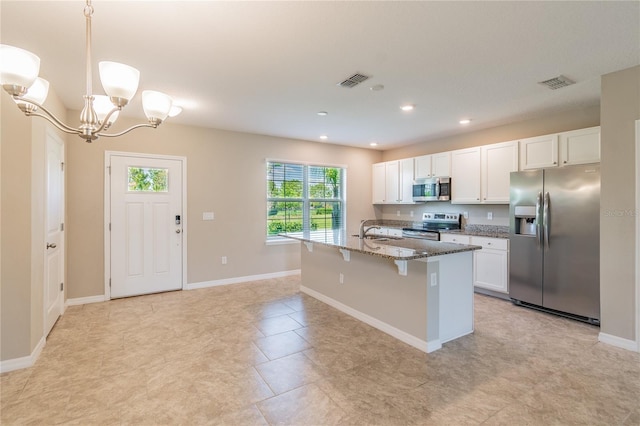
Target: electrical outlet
point(341, 278)
point(207, 216)
point(489, 215)
point(224, 260)
point(465, 215)
point(411, 213)
point(398, 213)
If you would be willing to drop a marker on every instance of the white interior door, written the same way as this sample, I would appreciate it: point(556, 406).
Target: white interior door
point(54, 218)
point(146, 225)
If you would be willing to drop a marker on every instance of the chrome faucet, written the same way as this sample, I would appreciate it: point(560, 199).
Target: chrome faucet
point(363, 231)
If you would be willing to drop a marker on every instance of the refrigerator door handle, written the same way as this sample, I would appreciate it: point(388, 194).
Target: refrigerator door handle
point(545, 218)
point(538, 221)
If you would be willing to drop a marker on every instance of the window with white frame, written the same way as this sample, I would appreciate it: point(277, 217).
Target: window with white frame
point(305, 200)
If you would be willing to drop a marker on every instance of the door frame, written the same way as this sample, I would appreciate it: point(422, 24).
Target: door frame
point(637, 214)
point(107, 211)
point(50, 134)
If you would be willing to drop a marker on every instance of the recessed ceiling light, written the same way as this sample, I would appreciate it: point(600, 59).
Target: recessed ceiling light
point(324, 137)
point(373, 144)
point(465, 121)
point(323, 113)
point(407, 107)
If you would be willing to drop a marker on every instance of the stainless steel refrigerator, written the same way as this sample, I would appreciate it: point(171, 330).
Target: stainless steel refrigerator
point(554, 235)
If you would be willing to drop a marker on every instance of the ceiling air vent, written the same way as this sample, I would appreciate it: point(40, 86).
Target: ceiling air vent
point(557, 82)
point(354, 80)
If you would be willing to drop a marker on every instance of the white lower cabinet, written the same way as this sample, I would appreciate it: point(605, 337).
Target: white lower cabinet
point(491, 264)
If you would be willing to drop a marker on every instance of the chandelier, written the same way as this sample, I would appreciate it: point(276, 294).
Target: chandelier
point(19, 77)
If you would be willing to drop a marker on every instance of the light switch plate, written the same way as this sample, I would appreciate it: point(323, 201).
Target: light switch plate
point(207, 216)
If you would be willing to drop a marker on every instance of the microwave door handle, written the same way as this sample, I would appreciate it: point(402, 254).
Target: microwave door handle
point(538, 221)
point(437, 188)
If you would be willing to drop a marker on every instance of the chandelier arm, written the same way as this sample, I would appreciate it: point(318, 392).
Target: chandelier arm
point(113, 135)
point(49, 116)
point(105, 121)
point(55, 122)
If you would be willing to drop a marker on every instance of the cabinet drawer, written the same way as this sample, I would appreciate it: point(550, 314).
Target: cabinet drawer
point(491, 243)
point(451, 238)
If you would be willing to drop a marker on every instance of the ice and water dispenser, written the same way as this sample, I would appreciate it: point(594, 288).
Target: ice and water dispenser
point(525, 220)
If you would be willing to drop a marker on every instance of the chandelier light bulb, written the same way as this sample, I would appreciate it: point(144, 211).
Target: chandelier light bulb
point(119, 81)
point(102, 106)
point(175, 110)
point(156, 105)
point(18, 67)
point(38, 91)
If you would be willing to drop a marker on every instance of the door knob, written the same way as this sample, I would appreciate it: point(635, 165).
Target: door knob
point(177, 231)
point(50, 245)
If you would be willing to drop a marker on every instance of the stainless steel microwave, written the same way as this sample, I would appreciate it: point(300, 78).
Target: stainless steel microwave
point(432, 189)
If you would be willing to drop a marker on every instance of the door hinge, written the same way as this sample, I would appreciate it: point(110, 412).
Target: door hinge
point(61, 286)
point(109, 226)
point(109, 282)
point(109, 168)
point(62, 226)
point(62, 166)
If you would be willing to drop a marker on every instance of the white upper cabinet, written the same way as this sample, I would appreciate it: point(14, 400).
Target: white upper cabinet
point(539, 152)
point(379, 183)
point(481, 175)
point(434, 165)
point(465, 176)
point(580, 146)
point(393, 182)
point(406, 181)
point(497, 163)
point(562, 149)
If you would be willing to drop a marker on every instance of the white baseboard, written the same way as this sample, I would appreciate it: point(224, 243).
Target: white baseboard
point(376, 323)
point(25, 361)
point(237, 280)
point(84, 300)
point(619, 342)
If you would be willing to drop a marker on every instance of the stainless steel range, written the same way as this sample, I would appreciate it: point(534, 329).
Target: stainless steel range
point(431, 225)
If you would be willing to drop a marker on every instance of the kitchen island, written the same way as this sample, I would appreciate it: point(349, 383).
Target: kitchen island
point(419, 291)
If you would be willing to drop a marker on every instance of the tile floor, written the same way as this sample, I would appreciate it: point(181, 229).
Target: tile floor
point(262, 353)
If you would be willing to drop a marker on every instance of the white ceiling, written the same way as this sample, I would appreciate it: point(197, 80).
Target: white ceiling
point(268, 67)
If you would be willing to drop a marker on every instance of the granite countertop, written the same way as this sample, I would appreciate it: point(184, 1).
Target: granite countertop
point(390, 248)
point(490, 231)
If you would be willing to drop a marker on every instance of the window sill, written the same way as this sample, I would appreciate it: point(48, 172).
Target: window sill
point(280, 241)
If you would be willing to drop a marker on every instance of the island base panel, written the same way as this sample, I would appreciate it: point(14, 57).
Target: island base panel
point(409, 308)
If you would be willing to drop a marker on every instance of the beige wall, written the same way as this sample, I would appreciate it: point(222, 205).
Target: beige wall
point(16, 232)
point(22, 236)
point(226, 175)
point(620, 108)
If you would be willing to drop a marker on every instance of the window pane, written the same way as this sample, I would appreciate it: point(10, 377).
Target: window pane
point(285, 180)
point(284, 216)
point(147, 179)
point(325, 182)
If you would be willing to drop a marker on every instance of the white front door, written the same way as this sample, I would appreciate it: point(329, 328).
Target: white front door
point(146, 225)
point(54, 235)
